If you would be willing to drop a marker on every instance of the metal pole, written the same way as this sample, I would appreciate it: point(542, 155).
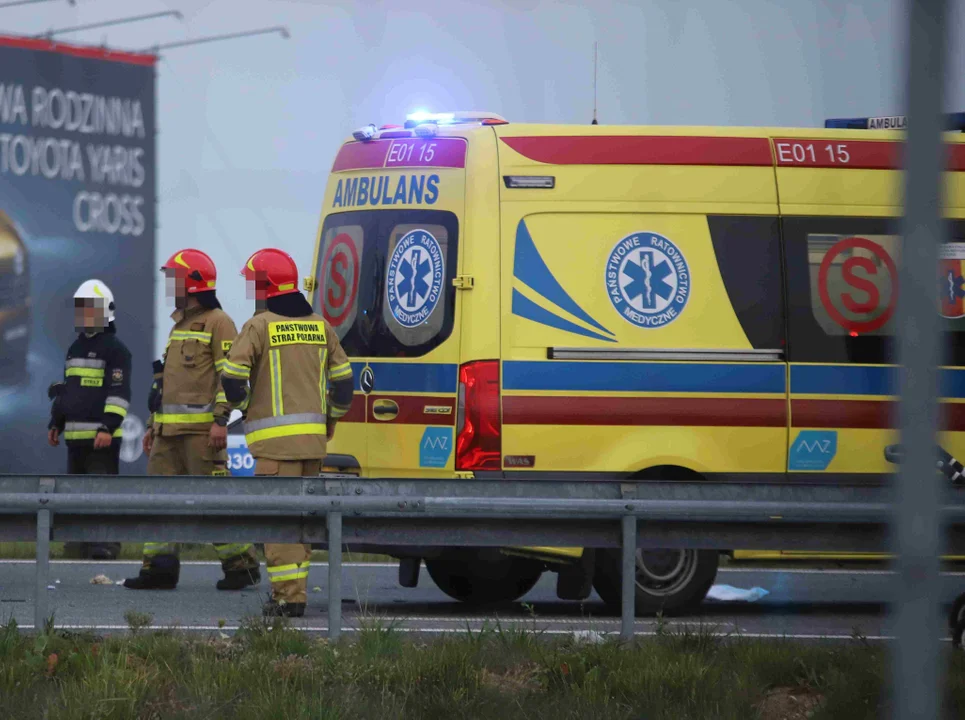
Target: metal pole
point(111, 23)
point(628, 605)
point(917, 679)
point(18, 3)
point(43, 569)
point(334, 575)
point(283, 31)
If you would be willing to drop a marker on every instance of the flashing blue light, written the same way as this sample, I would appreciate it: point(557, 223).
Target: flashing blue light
point(421, 116)
point(953, 122)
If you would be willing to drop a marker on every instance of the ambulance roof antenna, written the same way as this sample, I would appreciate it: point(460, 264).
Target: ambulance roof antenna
point(594, 86)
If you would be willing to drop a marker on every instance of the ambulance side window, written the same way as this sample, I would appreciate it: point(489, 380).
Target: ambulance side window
point(842, 279)
point(748, 251)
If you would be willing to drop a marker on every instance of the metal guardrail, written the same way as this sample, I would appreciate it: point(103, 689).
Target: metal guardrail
point(336, 510)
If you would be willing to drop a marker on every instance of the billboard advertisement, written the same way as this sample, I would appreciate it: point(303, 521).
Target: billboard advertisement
point(77, 201)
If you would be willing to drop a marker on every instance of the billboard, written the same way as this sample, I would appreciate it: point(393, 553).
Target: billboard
point(77, 201)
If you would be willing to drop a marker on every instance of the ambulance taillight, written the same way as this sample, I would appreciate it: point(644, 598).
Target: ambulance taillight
point(478, 423)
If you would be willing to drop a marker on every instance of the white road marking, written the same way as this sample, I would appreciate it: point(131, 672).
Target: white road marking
point(817, 571)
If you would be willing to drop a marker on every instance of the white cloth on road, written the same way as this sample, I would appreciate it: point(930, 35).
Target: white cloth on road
point(729, 593)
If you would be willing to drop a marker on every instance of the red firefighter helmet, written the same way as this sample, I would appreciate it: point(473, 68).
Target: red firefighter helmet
point(273, 272)
point(195, 268)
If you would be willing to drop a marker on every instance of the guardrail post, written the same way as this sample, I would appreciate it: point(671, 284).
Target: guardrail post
point(334, 527)
point(43, 569)
point(628, 609)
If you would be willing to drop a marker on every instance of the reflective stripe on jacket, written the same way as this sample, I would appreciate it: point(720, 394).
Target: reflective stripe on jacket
point(289, 363)
point(96, 391)
point(191, 395)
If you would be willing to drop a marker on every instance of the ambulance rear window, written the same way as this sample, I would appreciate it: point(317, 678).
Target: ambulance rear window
point(384, 280)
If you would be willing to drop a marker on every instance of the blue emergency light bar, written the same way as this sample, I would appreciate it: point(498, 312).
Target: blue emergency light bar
point(423, 118)
point(420, 117)
point(953, 122)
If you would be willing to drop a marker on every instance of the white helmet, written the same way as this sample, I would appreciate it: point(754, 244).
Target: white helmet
point(94, 289)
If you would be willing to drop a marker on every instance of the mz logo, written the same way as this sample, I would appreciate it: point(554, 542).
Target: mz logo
point(817, 446)
point(435, 447)
point(439, 442)
point(813, 450)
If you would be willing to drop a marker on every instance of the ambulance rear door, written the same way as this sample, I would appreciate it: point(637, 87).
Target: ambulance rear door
point(387, 256)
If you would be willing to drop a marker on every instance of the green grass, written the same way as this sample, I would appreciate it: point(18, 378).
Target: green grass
point(271, 671)
point(132, 551)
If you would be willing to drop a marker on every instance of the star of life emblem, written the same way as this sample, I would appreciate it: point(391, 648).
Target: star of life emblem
point(415, 275)
point(647, 280)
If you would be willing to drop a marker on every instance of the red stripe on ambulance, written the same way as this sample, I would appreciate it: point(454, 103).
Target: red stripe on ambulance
point(679, 411)
point(851, 154)
point(403, 153)
point(643, 150)
point(416, 409)
point(864, 414)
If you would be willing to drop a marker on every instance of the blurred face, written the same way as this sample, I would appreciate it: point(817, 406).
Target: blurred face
point(174, 287)
point(255, 290)
point(90, 315)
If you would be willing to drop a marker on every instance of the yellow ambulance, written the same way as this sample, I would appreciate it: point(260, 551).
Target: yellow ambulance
point(592, 302)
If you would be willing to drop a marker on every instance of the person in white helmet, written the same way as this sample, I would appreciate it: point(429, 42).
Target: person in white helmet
point(90, 403)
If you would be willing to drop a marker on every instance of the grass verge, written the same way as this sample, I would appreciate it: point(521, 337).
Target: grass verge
point(272, 671)
point(132, 551)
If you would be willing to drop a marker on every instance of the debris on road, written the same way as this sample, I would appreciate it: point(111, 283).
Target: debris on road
point(729, 593)
point(101, 580)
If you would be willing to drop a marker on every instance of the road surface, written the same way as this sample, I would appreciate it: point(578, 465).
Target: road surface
point(801, 603)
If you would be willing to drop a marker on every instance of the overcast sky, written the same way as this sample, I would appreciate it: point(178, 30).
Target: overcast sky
point(248, 128)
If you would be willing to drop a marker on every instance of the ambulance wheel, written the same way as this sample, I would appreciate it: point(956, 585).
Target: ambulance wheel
point(957, 633)
point(483, 576)
point(668, 581)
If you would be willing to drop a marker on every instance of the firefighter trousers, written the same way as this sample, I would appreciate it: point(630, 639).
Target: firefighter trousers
point(83, 459)
point(191, 455)
point(288, 564)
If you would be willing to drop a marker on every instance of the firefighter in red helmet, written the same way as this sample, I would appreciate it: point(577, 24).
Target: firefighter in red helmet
point(187, 429)
point(289, 371)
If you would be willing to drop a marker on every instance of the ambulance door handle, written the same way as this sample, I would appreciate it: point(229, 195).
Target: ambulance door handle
point(385, 410)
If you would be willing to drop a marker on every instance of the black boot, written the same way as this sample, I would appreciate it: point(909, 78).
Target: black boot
point(162, 573)
point(273, 608)
point(239, 579)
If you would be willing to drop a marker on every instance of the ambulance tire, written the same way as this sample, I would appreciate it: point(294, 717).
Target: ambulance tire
point(482, 577)
point(676, 582)
point(957, 633)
